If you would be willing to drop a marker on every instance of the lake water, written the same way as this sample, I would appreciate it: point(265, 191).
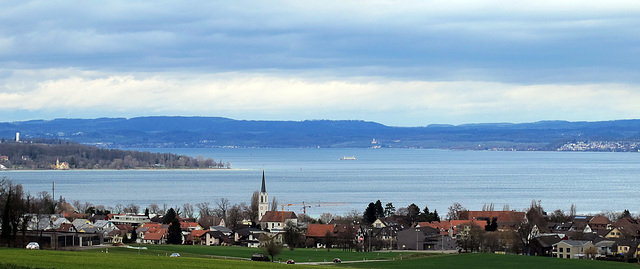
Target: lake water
point(437, 178)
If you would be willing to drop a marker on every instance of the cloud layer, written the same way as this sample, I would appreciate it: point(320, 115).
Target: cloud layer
point(400, 63)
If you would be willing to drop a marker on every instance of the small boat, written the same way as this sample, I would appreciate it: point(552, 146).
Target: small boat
point(348, 158)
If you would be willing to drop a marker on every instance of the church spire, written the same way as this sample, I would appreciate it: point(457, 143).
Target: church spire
point(264, 186)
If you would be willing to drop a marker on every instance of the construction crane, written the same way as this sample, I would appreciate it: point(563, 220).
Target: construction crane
point(306, 205)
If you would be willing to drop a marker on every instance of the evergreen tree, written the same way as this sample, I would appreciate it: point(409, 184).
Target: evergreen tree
point(414, 211)
point(175, 233)
point(379, 210)
point(435, 216)
point(389, 209)
point(134, 235)
point(169, 217)
point(369, 215)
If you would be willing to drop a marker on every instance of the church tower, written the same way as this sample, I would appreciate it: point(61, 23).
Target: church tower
point(264, 200)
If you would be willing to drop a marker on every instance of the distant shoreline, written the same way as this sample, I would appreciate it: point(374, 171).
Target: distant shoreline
point(134, 169)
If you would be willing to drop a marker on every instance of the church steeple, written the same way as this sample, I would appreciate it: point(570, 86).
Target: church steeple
point(264, 199)
point(264, 186)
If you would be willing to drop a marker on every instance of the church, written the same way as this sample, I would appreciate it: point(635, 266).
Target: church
point(274, 221)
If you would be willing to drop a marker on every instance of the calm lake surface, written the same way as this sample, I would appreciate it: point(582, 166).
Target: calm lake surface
point(437, 178)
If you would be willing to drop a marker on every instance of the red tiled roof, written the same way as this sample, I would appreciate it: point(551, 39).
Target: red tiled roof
point(154, 236)
point(600, 220)
point(278, 216)
point(504, 217)
point(198, 233)
point(125, 227)
point(319, 230)
point(186, 225)
point(65, 227)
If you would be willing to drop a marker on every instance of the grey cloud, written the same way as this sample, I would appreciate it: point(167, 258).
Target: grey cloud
point(426, 42)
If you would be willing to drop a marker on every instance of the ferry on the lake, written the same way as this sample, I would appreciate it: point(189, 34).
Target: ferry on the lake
point(348, 158)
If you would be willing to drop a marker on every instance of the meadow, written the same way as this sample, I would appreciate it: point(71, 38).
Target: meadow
point(236, 257)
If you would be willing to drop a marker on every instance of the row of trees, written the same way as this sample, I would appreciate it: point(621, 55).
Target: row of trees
point(41, 156)
point(410, 214)
point(14, 205)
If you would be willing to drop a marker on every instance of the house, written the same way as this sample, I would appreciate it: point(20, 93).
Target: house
point(387, 236)
point(318, 232)
point(115, 236)
point(248, 237)
point(625, 228)
point(572, 249)
point(190, 226)
point(80, 224)
point(606, 248)
point(598, 223)
point(129, 219)
point(194, 236)
point(275, 221)
point(104, 225)
point(209, 221)
point(617, 233)
point(424, 238)
point(506, 220)
point(226, 231)
point(543, 245)
point(214, 238)
point(625, 247)
point(156, 237)
point(65, 227)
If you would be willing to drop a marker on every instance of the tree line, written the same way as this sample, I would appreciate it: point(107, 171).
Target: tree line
point(42, 155)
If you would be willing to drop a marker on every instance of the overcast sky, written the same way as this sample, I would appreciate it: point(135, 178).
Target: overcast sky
point(400, 63)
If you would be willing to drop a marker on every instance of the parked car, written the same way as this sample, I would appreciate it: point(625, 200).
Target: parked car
point(260, 257)
point(175, 255)
point(290, 261)
point(33, 245)
point(337, 260)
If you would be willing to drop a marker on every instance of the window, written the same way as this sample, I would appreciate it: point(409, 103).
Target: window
point(568, 250)
point(561, 256)
point(561, 250)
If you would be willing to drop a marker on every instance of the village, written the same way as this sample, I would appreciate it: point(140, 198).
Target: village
point(534, 232)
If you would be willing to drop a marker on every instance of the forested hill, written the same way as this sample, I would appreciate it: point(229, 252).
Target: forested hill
point(222, 132)
point(28, 155)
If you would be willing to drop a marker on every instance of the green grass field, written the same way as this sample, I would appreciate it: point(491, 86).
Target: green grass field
point(299, 255)
point(202, 257)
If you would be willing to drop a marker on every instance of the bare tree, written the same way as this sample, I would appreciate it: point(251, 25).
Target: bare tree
point(154, 208)
point(572, 210)
point(188, 210)
point(235, 217)
point(223, 206)
point(204, 210)
point(132, 209)
point(81, 207)
point(253, 208)
point(454, 211)
point(270, 245)
point(119, 209)
point(274, 204)
point(326, 217)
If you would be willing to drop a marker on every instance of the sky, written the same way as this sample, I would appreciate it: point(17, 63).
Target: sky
point(399, 63)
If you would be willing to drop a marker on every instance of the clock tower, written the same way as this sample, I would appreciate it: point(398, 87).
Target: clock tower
point(263, 205)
